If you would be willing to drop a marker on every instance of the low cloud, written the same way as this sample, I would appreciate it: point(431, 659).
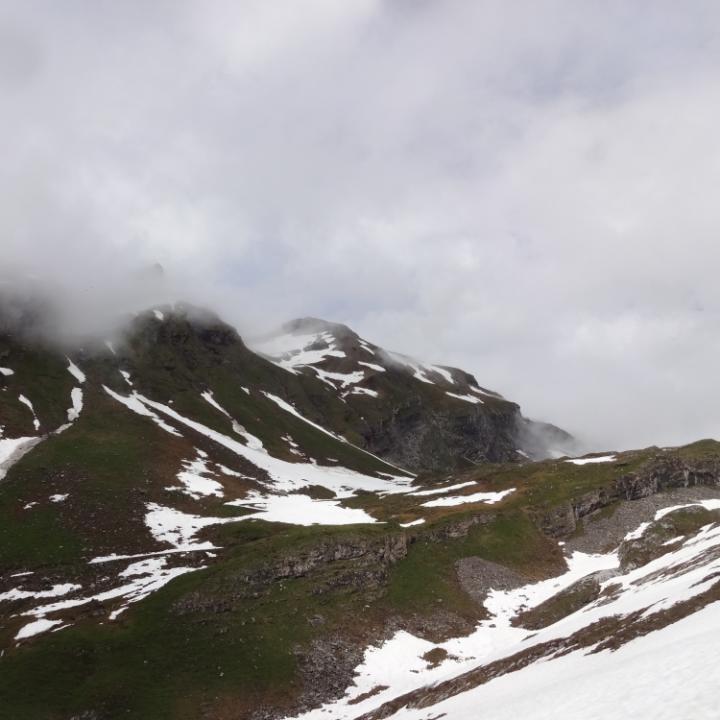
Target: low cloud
point(525, 191)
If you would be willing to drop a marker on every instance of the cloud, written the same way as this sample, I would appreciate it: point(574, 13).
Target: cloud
point(526, 191)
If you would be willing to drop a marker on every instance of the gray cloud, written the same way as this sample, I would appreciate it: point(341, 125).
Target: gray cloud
point(524, 190)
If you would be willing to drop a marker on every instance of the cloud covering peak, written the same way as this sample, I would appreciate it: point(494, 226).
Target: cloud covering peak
point(525, 191)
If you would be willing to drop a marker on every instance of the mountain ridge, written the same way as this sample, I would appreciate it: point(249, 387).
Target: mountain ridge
point(469, 422)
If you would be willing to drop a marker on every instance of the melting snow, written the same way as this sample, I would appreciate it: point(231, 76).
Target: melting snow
point(301, 510)
point(419, 521)
point(194, 482)
point(75, 371)
point(638, 531)
point(12, 449)
point(467, 398)
point(36, 627)
point(480, 391)
point(289, 408)
point(372, 366)
point(148, 576)
point(55, 591)
point(364, 391)
point(442, 371)
point(439, 491)
point(344, 379)
point(133, 402)
point(489, 498)
point(27, 402)
point(590, 461)
point(668, 674)
point(178, 528)
point(708, 504)
point(76, 397)
point(677, 576)
point(251, 440)
point(292, 351)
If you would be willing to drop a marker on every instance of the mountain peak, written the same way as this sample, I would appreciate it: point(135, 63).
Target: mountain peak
point(316, 325)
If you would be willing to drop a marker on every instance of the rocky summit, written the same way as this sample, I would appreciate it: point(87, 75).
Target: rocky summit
point(310, 526)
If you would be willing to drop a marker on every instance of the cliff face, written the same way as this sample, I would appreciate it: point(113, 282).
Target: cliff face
point(660, 474)
point(420, 435)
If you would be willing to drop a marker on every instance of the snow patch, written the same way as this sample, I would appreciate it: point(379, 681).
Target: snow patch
point(446, 374)
point(439, 491)
point(194, 480)
point(36, 627)
point(298, 509)
point(489, 498)
point(343, 379)
point(76, 397)
point(12, 449)
point(419, 521)
point(252, 441)
point(364, 391)
point(592, 460)
point(133, 402)
point(55, 591)
point(178, 528)
point(467, 398)
point(75, 371)
point(26, 401)
point(372, 366)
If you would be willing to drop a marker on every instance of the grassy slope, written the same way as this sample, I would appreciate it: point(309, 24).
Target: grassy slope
point(235, 648)
point(156, 663)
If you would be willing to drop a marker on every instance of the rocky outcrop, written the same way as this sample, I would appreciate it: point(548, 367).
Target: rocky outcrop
point(420, 436)
point(478, 577)
point(349, 561)
point(664, 472)
point(662, 536)
point(354, 560)
point(566, 602)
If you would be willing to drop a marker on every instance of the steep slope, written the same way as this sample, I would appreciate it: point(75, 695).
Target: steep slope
point(420, 416)
point(126, 452)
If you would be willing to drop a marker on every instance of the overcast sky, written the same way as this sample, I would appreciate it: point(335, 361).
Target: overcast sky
point(527, 189)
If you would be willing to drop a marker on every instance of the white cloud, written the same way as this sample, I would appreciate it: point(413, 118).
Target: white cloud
point(526, 190)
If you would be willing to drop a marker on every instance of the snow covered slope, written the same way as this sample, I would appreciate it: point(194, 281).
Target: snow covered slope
point(592, 642)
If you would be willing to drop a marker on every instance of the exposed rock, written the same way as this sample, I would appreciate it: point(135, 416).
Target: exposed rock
point(326, 669)
point(602, 532)
point(662, 473)
point(653, 541)
point(478, 577)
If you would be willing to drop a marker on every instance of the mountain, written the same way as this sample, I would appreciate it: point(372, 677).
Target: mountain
point(194, 528)
point(420, 416)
